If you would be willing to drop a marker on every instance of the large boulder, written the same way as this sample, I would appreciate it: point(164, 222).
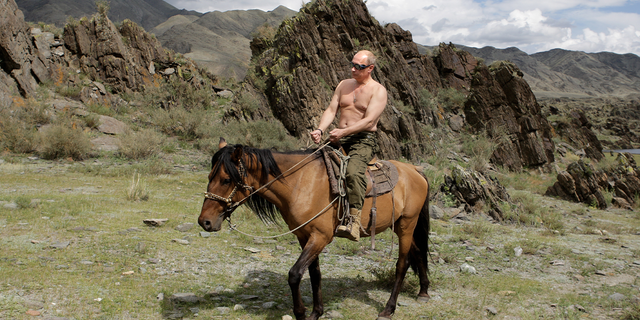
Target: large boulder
point(577, 129)
point(479, 193)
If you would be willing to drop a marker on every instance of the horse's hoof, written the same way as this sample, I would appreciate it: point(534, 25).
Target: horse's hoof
point(424, 299)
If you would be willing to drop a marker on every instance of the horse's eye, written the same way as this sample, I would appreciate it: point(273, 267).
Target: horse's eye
point(226, 181)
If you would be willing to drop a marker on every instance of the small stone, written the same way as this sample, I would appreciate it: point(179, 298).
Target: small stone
point(185, 227)
point(468, 259)
point(280, 248)
point(223, 310)
point(287, 317)
point(33, 313)
point(252, 250)
point(248, 297)
point(578, 277)
point(492, 310)
point(184, 297)
point(194, 310)
point(238, 307)
point(60, 245)
point(601, 273)
point(557, 263)
point(205, 234)
point(268, 305)
point(169, 71)
point(617, 297)
point(579, 308)
point(11, 206)
point(153, 260)
point(155, 222)
point(517, 251)
point(35, 241)
point(637, 263)
point(465, 268)
point(333, 314)
point(436, 212)
point(128, 273)
point(180, 241)
point(160, 296)
point(86, 262)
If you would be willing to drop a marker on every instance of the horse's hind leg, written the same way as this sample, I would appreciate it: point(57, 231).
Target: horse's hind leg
point(316, 287)
point(401, 271)
point(308, 259)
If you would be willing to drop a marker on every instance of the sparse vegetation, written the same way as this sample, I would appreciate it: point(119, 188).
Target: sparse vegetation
point(60, 142)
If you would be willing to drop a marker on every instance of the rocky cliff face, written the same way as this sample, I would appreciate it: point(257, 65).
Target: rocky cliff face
point(299, 68)
point(121, 58)
point(22, 64)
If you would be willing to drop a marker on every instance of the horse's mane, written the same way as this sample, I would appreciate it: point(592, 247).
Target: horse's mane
point(265, 210)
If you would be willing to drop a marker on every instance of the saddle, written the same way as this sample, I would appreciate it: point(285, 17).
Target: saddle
point(382, 176)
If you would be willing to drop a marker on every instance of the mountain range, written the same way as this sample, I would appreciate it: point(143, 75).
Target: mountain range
point(220, 42)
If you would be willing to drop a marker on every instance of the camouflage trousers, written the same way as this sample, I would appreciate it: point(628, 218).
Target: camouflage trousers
point(360, 147)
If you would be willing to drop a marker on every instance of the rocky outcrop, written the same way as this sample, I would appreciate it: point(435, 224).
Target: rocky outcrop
point(122, 58)
point(582, 183)
point(478, 193)
point(299, 68)
point(502, 104)
point(576, 130)
point(20, 59)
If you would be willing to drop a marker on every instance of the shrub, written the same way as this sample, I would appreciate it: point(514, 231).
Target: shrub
point(141, 144)
point(180, 122)
point(137, 190)
point(451, 99)
point(59, 141)
point(479, 148)
point(16, 136)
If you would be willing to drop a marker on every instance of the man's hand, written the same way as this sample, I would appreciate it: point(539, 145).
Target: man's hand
point(316, 135)
point(336, 134)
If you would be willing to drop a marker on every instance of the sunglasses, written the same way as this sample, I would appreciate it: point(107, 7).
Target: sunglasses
point(359, 66)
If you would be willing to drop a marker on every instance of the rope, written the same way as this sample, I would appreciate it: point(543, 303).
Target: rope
point(233, 227)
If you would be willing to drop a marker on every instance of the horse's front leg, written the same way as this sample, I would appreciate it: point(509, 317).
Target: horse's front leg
point(308, 259)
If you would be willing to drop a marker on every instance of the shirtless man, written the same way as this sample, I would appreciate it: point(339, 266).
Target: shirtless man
point(361, 101)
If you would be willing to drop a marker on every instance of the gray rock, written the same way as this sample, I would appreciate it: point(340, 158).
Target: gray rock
point(435, 212)
point(517, 251)
point(248, 297)
point(111, 125)
point(492, 310)
point(184, 297)
point(169, 71)
point(269, 305)
point(223, 310)
point(155, 222)
point(252, 250)
point(11, 206)
point(225, 94)
point(239, 307)
point(153, 261)
point(100, 87)
point(456, 123)
point(333, 314)
point(617, 297)
point(185, 227)
point(180, 241)
point(60, 245)
point(466, 268)
point(287, 317)
point(205, 234)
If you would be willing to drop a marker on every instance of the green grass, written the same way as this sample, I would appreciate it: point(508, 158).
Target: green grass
point(89, 208)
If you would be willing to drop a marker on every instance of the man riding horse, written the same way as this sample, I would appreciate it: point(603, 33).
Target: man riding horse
point(361, 101)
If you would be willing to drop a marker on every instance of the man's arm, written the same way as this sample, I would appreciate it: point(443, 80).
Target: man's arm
point(374, 110)
point(328, 115)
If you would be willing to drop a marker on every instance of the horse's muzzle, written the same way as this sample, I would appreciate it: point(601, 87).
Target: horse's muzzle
point(211, 225)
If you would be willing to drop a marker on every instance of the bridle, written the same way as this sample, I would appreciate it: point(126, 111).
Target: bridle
point(231, 205)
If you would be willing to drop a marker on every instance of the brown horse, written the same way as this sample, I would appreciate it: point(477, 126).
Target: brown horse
point(302, 193)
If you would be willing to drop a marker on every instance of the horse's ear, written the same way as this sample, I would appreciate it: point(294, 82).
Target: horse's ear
point(222, 143)
point(237, 153)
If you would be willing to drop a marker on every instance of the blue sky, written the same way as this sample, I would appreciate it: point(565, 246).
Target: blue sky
point(532, 26)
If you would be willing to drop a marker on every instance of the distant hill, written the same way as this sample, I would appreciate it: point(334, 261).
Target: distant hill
point(564, 73)
point(146, 13)
point(219, 40)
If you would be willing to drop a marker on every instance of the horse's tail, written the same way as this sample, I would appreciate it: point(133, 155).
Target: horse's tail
point(420, 248)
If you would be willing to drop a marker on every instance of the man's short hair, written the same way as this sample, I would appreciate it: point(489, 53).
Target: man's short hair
point(371, 58)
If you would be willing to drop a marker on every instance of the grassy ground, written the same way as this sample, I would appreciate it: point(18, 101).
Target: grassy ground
point(116, 267)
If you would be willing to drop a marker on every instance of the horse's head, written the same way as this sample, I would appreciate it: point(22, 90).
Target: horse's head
point(226, 188)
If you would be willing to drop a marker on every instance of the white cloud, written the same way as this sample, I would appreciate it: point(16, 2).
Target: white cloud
point(532, 26)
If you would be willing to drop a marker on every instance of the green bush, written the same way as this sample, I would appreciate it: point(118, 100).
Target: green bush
point(59, 141)
point(451, 99)
point(180, 122)
point(140, 145)
point(17, 137)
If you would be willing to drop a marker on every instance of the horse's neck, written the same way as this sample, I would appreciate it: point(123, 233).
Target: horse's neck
point(293, 168)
